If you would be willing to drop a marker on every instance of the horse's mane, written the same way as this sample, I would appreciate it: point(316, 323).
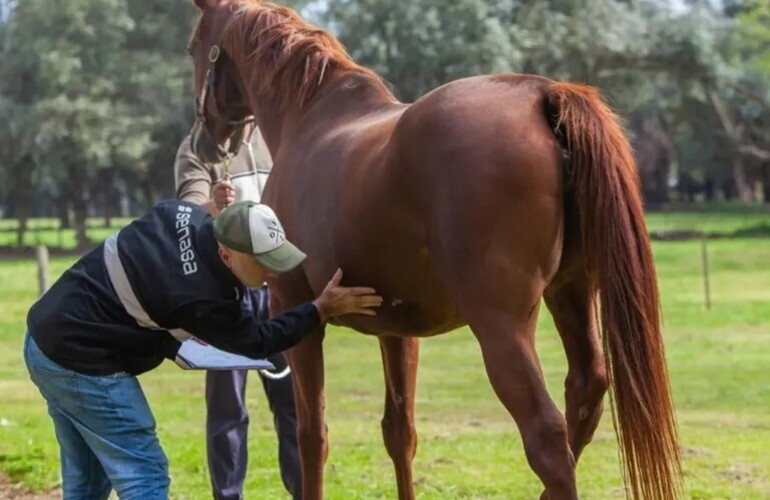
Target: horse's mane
point(287, 56)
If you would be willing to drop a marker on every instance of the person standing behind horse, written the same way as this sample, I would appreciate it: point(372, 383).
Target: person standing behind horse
point(227, 418)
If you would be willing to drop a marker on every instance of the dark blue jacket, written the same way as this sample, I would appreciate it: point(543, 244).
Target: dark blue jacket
point(171, 261)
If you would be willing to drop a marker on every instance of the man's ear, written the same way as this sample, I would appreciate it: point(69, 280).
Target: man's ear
point(224, 254)
point(202, 4)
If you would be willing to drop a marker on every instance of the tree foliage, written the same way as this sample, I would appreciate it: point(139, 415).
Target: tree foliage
point(95, 95)
point(691, 80)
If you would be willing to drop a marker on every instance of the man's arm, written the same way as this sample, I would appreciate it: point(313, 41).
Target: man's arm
point(228, 327)
point(193, 178)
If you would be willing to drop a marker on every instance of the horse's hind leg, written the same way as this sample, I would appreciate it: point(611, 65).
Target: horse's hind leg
point(507, 344)
point(399, 357)
point(571, 305)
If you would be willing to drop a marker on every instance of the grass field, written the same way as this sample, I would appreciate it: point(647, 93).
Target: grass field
point(716, 218)
point(468, 446)
point(716, 222)
point(46, 232)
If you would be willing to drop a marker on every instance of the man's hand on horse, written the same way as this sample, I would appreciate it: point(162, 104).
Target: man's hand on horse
point(338, 300)
point(224, 193)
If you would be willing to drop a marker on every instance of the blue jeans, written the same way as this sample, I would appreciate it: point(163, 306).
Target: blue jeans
point(105, 429)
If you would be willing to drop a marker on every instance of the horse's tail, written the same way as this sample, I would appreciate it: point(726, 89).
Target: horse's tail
point(619, 264)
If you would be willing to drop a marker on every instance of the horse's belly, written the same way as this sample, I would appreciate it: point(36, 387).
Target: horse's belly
point(403, 317)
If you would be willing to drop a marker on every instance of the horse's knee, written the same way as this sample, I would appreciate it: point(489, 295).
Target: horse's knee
point(598, 381)
point(400, 426)
point(548, 433)
point(399, 434)
point(586, 391)
point(597, 388)
point(312, 436)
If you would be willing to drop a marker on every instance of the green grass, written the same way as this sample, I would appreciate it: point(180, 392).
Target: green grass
point(710, 222)
point(46, 232)
point(47, 222)
point(710, 219)
point(468, 445)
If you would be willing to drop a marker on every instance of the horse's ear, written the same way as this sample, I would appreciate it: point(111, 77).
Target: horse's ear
point(202, 4)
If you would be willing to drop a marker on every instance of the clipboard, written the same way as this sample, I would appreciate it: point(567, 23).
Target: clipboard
point(195, 354)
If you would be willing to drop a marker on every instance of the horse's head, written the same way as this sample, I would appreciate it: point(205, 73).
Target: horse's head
point(221, 110)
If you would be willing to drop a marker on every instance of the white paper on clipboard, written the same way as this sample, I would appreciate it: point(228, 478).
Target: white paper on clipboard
point(197, 355)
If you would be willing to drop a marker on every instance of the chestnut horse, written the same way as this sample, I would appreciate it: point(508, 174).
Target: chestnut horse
point(466, 207)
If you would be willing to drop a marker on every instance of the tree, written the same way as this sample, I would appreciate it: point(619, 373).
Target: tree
point(421, 44)
point(97, 71)
point(95, 95)
point(658, 66)
point(19, 120)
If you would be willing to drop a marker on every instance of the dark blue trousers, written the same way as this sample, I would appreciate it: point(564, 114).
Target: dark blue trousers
point(227, 425)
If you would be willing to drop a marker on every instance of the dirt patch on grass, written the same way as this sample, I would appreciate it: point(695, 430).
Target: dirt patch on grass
point(739, 473)
point(10, 491)
point(688, 452)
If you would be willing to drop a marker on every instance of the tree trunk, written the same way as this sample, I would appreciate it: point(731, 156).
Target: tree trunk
point(81, 216)
point(745, 192)
point(63, 212)
point(654, 153)
point(735, 134)
point(23, 217)
point(766, 183)
point(109, 199)
point(149, 193)
point(109, 196)
point(22, 195)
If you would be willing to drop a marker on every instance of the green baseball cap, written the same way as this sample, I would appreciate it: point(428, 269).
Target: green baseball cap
point(253, 228)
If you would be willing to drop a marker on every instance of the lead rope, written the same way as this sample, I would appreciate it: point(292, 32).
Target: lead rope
point(263, 306)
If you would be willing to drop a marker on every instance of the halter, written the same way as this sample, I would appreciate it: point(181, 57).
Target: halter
point(208, 91)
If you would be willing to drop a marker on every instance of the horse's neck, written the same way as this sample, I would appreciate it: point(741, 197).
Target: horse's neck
point(270, 121)
point(344, 97)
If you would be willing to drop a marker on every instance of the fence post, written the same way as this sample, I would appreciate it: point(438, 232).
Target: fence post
point(41, 256)
point(705, 260)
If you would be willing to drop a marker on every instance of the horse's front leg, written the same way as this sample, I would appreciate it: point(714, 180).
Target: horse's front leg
point(399, 357)
point(307, 365)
